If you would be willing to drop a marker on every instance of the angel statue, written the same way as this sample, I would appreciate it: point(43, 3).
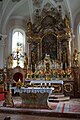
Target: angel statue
point(10, 61)
point(25, 60)
point(75, 58)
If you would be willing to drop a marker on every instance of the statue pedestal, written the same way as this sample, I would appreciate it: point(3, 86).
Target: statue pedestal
point(8, 99)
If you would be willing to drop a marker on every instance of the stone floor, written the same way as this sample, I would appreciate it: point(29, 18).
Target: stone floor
point(36, 114)
point(32, 117)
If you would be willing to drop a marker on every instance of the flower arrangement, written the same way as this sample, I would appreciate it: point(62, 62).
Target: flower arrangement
point(49, 73)
point(22, 84)
point(18, 84)
point(68, 73)
point(1, 82)
point(29, 74)
point(58, 73)
point(63, 73)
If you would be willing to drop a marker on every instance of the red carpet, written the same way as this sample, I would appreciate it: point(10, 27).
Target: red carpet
point(1, 96)
point(74, 108)
point(65, 107)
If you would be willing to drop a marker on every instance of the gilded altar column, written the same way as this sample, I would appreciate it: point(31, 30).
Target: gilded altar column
point(68, 53)
point(38, 52)
point(59, 51)
point(4, 40)
point(29, 54)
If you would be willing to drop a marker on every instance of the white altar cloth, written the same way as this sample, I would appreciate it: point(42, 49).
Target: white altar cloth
point(32, 90)
point(47, 81)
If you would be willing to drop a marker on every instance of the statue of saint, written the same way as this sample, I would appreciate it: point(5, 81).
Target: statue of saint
point(67, 21)
point(29, 28)
point(10, 61)
point(25, 60)
point(75, 58)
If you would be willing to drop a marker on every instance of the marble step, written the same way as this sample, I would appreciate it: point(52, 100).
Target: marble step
point(56, 96)
point(58, 99)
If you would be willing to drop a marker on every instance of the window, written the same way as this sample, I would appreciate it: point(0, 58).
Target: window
point(18, 47)
point(79, 29)
point(78, 34)
point(78, 37)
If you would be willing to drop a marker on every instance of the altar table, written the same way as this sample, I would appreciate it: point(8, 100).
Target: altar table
point(34, 97)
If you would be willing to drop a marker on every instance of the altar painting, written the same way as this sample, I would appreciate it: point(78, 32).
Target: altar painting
point(49, 46)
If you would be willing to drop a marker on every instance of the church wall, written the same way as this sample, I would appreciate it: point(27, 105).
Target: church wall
point(12, 24)
point(1, 54)
point(76, 37)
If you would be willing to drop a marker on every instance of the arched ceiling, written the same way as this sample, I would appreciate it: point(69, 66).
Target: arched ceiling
point(25, 8)
point(75, 6)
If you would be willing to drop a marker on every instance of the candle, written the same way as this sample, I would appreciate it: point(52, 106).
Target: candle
point(31, 67)
point(35, 66)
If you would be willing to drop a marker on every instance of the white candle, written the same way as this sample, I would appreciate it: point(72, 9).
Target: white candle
point(31, 67)
point(35, 66)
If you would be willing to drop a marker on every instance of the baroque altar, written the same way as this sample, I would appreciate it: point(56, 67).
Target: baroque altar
point(49, 34)
point(49, 47)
